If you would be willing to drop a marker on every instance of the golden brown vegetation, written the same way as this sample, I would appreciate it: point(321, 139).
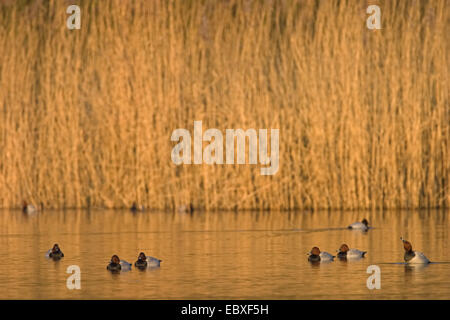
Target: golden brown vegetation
point(86, 115)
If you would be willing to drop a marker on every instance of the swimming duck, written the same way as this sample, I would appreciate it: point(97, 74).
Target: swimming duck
point(114, 264)
point(144, 261)
point(186, 208)
point(56, 252)
point(345, 252)
point(363, 225)
point(413, 256)
point(141, 261)
point(28, 208)
point(135, 208)
point(315, 255)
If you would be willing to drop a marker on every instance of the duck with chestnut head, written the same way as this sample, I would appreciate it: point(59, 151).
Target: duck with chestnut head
point(117, 264)
point(413, 256)
point(56, 252)
point(345, 253)
point(317, 256)
point(114, 264)
point(141, 262)
point(144, 261)
point(28, 208)
point(189, 208)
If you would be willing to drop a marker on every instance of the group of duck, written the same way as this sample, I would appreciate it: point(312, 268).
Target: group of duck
point(143, 262)
point(345, 253)
point(314, 256)
point(115, 265)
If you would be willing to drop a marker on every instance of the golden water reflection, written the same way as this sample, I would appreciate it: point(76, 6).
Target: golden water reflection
point(225, 255)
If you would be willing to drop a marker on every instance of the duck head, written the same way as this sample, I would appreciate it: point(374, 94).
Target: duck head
point(55, 248)
point(344, 248)
point(315, 251)
point(115, 259)
point(142, 257)
point(406, 245)
point(24, 206)
point(365, 222)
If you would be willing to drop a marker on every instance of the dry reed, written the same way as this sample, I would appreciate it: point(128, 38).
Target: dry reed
point(86, 115)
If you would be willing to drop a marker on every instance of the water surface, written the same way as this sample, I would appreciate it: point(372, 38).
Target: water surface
point(225, 255)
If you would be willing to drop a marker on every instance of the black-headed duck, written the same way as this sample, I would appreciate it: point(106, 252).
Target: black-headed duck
point(363, 225)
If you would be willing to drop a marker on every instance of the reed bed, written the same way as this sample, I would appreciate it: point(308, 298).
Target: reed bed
point(87, 115)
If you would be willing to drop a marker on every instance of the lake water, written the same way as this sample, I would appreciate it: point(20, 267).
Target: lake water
point(224, 255)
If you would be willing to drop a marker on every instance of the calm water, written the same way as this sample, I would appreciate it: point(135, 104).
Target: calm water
point(221, 255)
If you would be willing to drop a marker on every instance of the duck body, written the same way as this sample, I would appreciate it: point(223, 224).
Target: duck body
point(114, 266)
point(56, 255)
point(141, 264)
point(144, 261)
point(28, 208)
point(186, 208)
point(153, 262)
point(135, 208)
point(352, 253)
point(125, 265)
point(363, 225)
point(317, 256)
point(314, 258)
point(346, 253)
point(325, 257)
point(416, 257)
point(358, 226)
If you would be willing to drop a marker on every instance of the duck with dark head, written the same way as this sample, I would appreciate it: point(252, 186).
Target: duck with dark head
point(56, 252)
point(363, 225)
point(144, 261)
point(135, 208)
point(141, 262)
point(114, 264)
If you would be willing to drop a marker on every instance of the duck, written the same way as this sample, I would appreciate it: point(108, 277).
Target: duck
point(186, 208)
point(345, 252)
point(56, 252)
point(363, 225)
point(135, 208)
point(141, 261)
point(144, 261)
point(114, 264)
point(413, 256)
point(28, 208)
point(315, 256)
